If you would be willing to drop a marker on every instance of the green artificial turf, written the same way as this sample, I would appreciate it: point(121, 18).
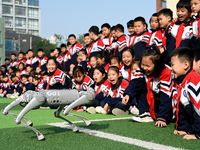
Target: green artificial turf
point(14, 136)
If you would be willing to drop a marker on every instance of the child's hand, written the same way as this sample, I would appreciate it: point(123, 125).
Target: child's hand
point(189, 137)
point(160, 124)
point(162, 50)
point(125, 99)
point(179, 132)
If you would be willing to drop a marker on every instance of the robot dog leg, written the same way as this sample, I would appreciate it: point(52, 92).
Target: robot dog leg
point(86, 97)
point(35, 102)
point(23, 99)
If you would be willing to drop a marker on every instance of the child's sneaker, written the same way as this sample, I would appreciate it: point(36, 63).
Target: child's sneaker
point(91, 110)
point(119, 112)
point(99, 109)
point(145, 117)
point(134, 110)
point(1, 95)
point(8, 95)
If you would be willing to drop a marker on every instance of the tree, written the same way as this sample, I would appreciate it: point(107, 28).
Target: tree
point(44, 44)
point(81, 39)
point(59, 39)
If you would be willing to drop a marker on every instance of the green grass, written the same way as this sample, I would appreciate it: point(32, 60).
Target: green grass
point(13, 136)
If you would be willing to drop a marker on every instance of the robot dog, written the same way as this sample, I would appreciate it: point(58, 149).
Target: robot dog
point(61, 98)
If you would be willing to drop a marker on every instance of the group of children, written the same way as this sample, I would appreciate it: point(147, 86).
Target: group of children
point(154, 75)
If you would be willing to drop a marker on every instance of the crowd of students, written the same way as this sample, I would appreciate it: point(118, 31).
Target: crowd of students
point(152, 74)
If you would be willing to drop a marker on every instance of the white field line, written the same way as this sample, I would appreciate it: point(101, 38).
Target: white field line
point(114, 137)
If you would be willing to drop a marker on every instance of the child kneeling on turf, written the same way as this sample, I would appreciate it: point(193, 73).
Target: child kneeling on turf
point(115, 92)
point(185, 94)
point(150, 86)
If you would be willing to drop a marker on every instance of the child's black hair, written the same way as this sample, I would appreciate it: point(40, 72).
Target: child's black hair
point(142, 20)
point(86, 34)
point(115, 68)
point(184, 4)
point(83, 50)
point(30, 50)
point(103, 54)
point(166, 12)
point(63, 45)
point(13, 54)
point(119, 27)
point(71, 35)
point(156, 58)
point(40, 50)
point(68, 43)
point(116, 58)
point(100, 68)
point(24, 76)
point(94, 29)
point(21, 53)
point(112, 28)
point(106, 25)
point(130, 23)
point(196, 52)
point(77, 70)
point(12, 76)
point(130, 50)
point(183, 53)
point(28, 65)
point(7, 59)
point(5, 75)
point(36, 78)
point(59, 50)
point(154, 15)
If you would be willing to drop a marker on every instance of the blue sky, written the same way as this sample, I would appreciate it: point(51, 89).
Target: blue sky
point(77, 16)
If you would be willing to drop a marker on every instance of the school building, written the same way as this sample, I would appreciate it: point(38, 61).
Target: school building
point(2, 41)
point(171, 4)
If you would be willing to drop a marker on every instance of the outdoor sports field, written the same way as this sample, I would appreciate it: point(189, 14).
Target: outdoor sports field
point(106, 132)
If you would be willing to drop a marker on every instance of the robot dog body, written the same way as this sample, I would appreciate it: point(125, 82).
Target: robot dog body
point(61, 98)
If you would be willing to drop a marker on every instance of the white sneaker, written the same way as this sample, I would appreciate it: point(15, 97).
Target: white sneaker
point(119, 112)
point(1, 95)
point(100, 110)
point(91, 110)
point(145, 117)
point(134, 110)
point(13, 96)
point(8, 95)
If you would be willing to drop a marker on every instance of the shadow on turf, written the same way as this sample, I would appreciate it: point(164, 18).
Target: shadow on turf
point(57, 130)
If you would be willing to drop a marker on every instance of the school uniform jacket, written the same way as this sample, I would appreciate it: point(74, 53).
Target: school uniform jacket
point(121, 44)
point(195, 38)
point(14, 63)
point(139, 43)
point(97, 46)
point(58, 80)
point(6, 87)
point(160, 39)
point(66, 60)
point(33, 62)
point(185, 93)
point(42, 63)
point(59, 59)
point(74, 52)
point(172, 36)
point(159, 86)
point(126, 72)
point(86, 83)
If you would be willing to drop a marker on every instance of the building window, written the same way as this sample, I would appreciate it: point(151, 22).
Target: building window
point(20, 31)
point(8, 21)
point(7, 1)
point(21, 2)
point(163, 4)
point(20, 22)
point(33, 24)
point(33, 12)
point(9, 44)
point(33, 2)
point(33, 32)
point(9, 29)
point(21, 11)
point(7, 9)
